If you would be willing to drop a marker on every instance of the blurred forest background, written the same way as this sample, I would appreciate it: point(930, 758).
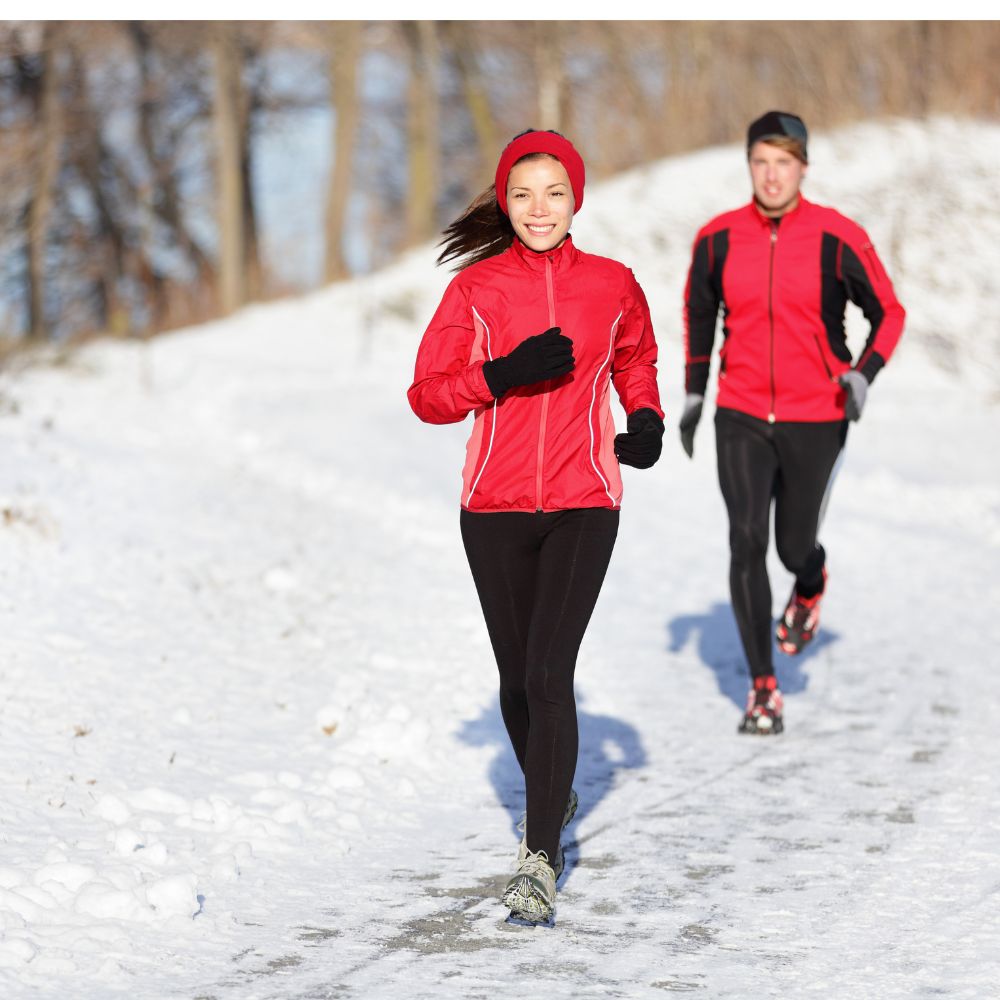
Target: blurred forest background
point(156, 174)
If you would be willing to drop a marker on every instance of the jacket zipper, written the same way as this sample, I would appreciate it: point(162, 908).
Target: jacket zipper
point(770, 314)
point(550, 296)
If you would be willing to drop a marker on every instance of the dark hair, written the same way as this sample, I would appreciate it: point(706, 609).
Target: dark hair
point(482, 230)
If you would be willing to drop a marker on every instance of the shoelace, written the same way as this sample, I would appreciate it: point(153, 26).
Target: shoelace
point(801, 610)
point(764, 700)
point(536, 864)
point(805, 616)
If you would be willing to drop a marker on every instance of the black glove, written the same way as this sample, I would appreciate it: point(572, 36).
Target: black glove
point(689, 421)
point(642, 445)
point(544, 356)
point(856, 386)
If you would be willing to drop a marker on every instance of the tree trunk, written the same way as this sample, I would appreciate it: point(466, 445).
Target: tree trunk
point(462, 39)
point(644, 127)
point(47, 158)
point(165, 198)
point(108, 259)
point(248, 103)
point(420, 202)
point(228, 171)
point(345, 53)
point(550, 77)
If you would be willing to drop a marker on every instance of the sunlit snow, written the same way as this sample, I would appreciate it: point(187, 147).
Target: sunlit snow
point(250, 739)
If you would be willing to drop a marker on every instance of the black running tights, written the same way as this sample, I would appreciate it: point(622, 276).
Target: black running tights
point(538, 577)
point(791, 464)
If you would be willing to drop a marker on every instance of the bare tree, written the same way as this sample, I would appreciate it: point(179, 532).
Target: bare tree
point(345, 53)
point(421, 38)
point(462, 39)
point(228, 117)
point(159, 145)
point(251, 42)
point(47, 158)
point(117, 212)
point(551, 77)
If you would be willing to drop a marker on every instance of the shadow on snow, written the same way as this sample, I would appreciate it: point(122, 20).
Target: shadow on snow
point(607, 746)
point(719, 648)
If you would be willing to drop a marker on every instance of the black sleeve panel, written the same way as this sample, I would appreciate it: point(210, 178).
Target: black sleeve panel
point(701, 307)
point(859, 290)
point(833, 297)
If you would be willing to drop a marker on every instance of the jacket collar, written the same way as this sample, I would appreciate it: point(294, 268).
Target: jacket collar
point(787, 217)
point(561, 257)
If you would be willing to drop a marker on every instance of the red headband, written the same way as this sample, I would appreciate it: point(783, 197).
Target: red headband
point(540, 142)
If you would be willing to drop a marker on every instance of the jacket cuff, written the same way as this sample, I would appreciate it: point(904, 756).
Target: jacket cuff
point(652, 415)
point(479, 385)
point(872, 366)
point(696, 377)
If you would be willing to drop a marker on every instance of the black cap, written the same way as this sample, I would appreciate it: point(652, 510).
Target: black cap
point(777, 124)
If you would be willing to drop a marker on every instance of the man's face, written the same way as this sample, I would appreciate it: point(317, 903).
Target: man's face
point(777, 176)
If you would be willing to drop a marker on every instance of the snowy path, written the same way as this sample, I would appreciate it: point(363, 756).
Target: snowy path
point(251, 746)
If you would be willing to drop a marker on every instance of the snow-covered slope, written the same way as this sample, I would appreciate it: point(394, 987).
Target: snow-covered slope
point(247, 703)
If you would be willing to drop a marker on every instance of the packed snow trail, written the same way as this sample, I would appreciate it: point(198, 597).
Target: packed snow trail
point(247, 701)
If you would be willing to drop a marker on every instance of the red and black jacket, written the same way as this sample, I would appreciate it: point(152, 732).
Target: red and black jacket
point(784, 288)
point(548, 446)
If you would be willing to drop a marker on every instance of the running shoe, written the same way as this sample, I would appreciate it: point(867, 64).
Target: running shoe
point(800, 622)
point(764, 708)
point(531, 892)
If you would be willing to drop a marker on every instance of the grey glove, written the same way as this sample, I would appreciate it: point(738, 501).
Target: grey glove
point(856, 386)
point(689, 420)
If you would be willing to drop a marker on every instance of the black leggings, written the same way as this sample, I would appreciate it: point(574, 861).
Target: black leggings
point(790, 463)
point(538, 577)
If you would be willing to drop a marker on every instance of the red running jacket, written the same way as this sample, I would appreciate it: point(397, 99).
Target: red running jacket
point(548, 446)
point(784, 288)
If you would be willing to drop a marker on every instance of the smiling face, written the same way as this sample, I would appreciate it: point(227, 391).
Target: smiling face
point(540, 202)
point(777, 175)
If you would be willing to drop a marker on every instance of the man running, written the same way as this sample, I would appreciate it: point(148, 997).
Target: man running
point(783, 270)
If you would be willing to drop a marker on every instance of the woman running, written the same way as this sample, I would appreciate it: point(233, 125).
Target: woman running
point(529, 337)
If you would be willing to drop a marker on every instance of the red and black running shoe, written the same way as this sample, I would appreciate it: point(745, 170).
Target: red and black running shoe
point(764, 707)
point(800, 622)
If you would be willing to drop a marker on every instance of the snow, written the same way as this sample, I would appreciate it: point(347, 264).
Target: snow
point(251, 745)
